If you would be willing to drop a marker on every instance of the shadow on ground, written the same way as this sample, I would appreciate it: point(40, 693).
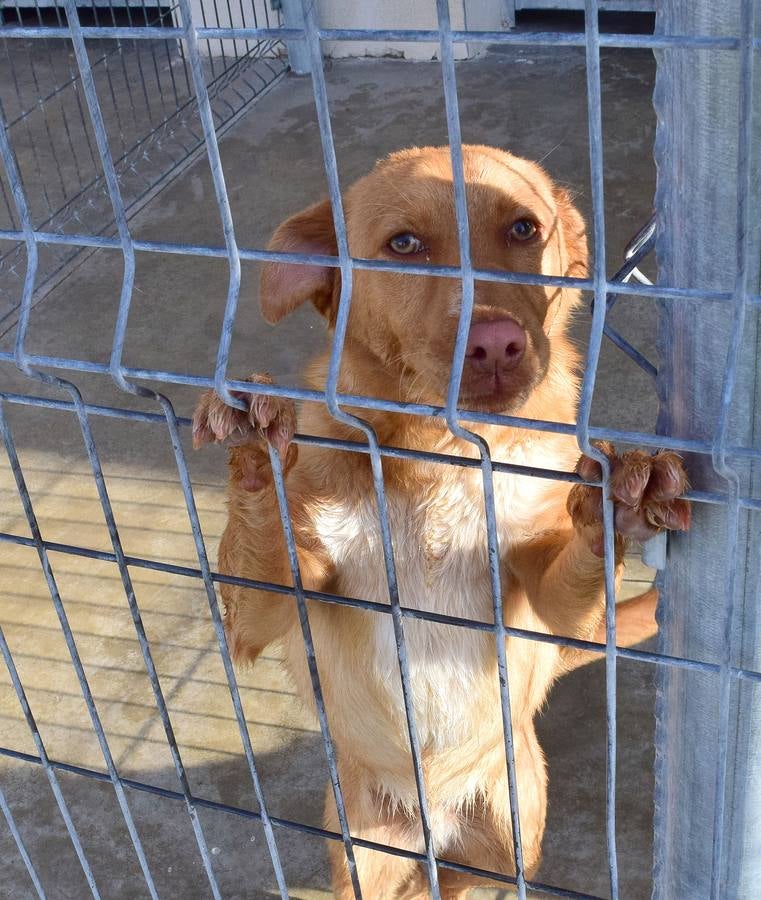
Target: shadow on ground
point(572, 733)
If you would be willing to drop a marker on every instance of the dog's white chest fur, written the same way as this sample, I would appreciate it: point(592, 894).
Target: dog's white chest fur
point(441, 560)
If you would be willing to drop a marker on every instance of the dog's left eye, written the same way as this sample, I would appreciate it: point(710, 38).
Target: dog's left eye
point(522, 230)
point(406, 244)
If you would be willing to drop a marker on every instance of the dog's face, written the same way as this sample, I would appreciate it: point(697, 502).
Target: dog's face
point(403, 212)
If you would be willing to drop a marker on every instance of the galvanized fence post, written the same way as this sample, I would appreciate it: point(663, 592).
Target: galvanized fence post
point(708, 766)
point(298, 51)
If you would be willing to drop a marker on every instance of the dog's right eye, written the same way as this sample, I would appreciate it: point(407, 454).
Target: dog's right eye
point(405, 244)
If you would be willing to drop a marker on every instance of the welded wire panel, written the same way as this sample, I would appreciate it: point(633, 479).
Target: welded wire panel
point(49, 770)
point(306, 630)
point(156, 85)
point(24, 216)
point(342, 318)
point(717, 856)
point(72, 647)
point(116, 353)
point(594, 106)
point(21, 847)
point(147, 93)
point(458, 361)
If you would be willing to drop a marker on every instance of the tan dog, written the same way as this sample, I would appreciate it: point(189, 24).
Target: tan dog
point(399, 346)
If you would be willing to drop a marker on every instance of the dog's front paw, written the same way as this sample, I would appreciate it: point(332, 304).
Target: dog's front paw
point(270, 419)
point(645, 490)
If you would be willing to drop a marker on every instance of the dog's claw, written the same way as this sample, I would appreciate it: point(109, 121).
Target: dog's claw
point(268, 420)
point(645, 490)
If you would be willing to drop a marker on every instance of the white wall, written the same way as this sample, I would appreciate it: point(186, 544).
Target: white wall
point(228, 15)
point(484, 15)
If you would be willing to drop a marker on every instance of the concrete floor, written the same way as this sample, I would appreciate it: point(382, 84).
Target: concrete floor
point(530, 101)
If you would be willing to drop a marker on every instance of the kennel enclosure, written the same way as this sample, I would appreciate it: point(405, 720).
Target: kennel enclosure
point(155, 68)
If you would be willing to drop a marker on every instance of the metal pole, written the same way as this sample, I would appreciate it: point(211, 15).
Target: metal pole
point(298, 51)
point(708, 756)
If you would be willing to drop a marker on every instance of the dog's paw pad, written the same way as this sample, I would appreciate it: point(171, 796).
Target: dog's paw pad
point(268, 418)
point(645, 490)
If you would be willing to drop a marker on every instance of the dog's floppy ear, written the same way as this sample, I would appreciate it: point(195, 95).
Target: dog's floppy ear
point(284, 286)
point(574, 235)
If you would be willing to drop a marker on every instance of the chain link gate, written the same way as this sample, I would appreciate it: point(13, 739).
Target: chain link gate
point(31, 231)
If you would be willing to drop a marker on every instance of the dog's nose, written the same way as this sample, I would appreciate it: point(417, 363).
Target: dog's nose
point(498, 344)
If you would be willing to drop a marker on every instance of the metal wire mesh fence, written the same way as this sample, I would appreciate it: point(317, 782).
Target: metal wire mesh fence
point(33, 225)
point(146, 92)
